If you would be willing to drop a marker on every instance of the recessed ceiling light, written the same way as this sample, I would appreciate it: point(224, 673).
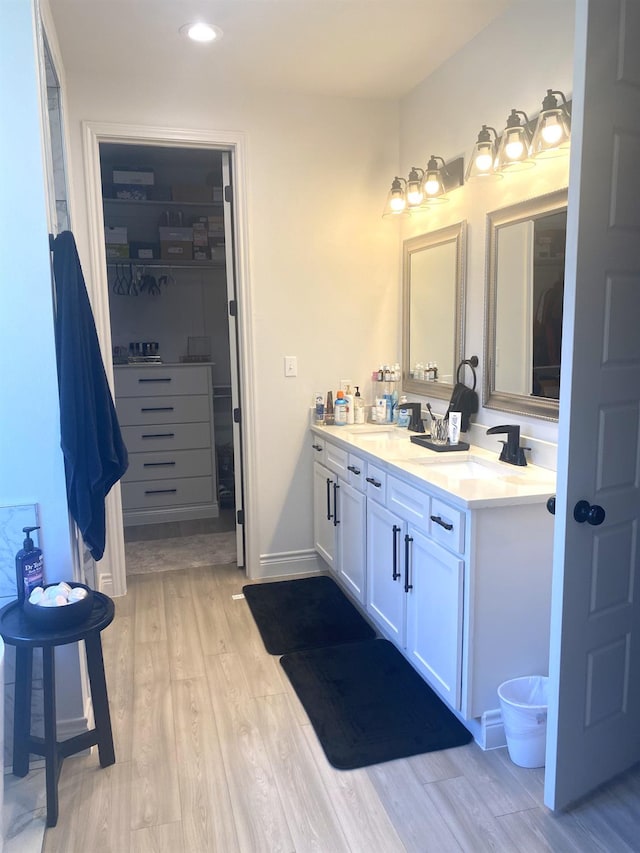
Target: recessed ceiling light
point(201, 32)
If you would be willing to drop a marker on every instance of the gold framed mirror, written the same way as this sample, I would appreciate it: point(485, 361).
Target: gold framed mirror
point(524, 295)
point(433, 273)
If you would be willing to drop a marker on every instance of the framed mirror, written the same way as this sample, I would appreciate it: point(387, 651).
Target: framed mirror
point(433, 272)
point(524, 293)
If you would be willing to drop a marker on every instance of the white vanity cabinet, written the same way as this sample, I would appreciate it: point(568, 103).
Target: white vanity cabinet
point(339, 514)
point(414, 587)
point(459, 579)
point(166, 418)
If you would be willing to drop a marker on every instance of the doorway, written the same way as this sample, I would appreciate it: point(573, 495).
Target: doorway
point(165, 246)
point(224, 154)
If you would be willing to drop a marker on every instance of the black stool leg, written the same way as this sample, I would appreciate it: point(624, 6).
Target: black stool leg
point(52, 769)
point(99, 698)
point(22, 710)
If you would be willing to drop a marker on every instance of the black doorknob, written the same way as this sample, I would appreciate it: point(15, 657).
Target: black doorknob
point(551, 504)
point(593, 514)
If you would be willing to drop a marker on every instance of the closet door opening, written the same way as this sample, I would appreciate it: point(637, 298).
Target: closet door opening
point(168, 247)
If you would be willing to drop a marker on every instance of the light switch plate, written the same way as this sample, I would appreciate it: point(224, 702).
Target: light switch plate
point(290, 365)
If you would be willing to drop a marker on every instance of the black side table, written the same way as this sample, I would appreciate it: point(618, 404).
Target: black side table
point(16, 630)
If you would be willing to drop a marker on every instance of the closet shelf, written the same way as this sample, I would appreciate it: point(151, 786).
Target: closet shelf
point(145, 202)
point(172, 265)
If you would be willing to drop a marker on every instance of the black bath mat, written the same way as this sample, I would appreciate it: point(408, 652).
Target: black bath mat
point(367, 704)
point(304, 614)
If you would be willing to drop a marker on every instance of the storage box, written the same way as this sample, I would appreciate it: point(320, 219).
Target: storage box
point(176, 250)
point(191, 192)
point(133, 175)
point(118, 251)
point(115, 235)
point(144, 251)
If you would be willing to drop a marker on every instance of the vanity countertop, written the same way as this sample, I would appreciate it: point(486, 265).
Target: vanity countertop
point(472, 479)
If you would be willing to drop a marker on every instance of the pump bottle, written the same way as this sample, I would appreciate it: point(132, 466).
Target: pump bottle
point(29, 566)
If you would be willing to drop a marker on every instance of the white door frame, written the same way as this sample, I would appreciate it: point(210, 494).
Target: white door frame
point(110, 572)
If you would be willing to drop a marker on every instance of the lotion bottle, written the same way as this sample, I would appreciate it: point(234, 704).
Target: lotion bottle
point(350, 405)
point(359, 411)
point(29, 566)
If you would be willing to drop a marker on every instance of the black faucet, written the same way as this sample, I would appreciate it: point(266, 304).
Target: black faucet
point(511, 451)
point(415, 423)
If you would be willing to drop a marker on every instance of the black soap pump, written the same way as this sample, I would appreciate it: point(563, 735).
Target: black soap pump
point(29, 566)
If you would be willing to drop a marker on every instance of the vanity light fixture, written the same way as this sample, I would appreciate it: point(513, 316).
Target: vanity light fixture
point(396, 199)
point(482, 164)
point(553, 129)
point(201, 32)
point(432, 183)
point(415, 193)
point(513, 153)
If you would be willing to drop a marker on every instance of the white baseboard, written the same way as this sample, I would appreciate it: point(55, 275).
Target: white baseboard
point(289, 563)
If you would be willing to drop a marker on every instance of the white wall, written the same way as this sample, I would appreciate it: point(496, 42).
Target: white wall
point(509, 65)
point(323, 264)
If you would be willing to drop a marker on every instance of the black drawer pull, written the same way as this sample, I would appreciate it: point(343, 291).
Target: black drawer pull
point(407, 583)
point(157, 464)
point(160, 491)
point(329, 513)
point(336, 520)
point(442, 523)
point(373, 482)
point(353, 469)
point(156, 379)
point(317, 446)
point(156, 409)
point(158, 435)
point(394, 531)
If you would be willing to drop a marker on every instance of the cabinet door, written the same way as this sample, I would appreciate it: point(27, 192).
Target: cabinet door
point(434, 615)
point(324, 531)
point(352, 522)
point(385, 596)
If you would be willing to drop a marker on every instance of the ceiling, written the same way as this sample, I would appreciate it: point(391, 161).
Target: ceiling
point(344, 48)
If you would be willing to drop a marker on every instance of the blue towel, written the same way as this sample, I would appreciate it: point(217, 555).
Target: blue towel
point(95, 456)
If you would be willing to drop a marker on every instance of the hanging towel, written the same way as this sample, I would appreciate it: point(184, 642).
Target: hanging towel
point(95, 456)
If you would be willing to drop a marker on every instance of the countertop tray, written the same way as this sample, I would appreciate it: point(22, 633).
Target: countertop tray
point(425, 441)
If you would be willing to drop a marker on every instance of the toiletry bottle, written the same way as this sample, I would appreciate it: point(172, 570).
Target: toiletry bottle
point(358, 402)
point(340, 409)
point(403, 412)
point(328, 410)
point(318, 415)
point(350, 405)
point(29, 566)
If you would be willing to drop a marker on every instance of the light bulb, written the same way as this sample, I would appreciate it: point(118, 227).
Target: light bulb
point(432, 185)
point(484, 159)
point(397, 203)
point(552, 130)
point(514, 148)
point(201, 32)
point(414, 195)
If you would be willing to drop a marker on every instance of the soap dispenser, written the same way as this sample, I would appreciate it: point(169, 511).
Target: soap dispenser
point(29, 566)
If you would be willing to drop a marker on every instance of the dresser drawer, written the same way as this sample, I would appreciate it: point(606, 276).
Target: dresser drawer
point(161, 466)
point(317, 448)
point(166, 437)
point(162, 410)
point(409, 503)
point(153, 380)
point(178, 492)
point(447, 525)
point(375, 482)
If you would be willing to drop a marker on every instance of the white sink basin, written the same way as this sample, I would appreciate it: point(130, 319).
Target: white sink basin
point(462, 469)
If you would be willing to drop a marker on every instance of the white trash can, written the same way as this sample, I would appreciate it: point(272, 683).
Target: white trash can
point(524, 702)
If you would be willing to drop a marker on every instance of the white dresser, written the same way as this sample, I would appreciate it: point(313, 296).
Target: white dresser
point(166, 418)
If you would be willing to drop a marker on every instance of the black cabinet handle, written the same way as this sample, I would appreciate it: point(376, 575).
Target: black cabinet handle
point(329, 513)
point(584, 511)
point(336, 520)
point(317, 447)
point(157, 464)
point(353, 469)
point(158, 435)
point(407, 542)
point(156, 379)
point(160, 491)
point(396, 574)
point(442, 523)
point(373, 482)
point(156, 409)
